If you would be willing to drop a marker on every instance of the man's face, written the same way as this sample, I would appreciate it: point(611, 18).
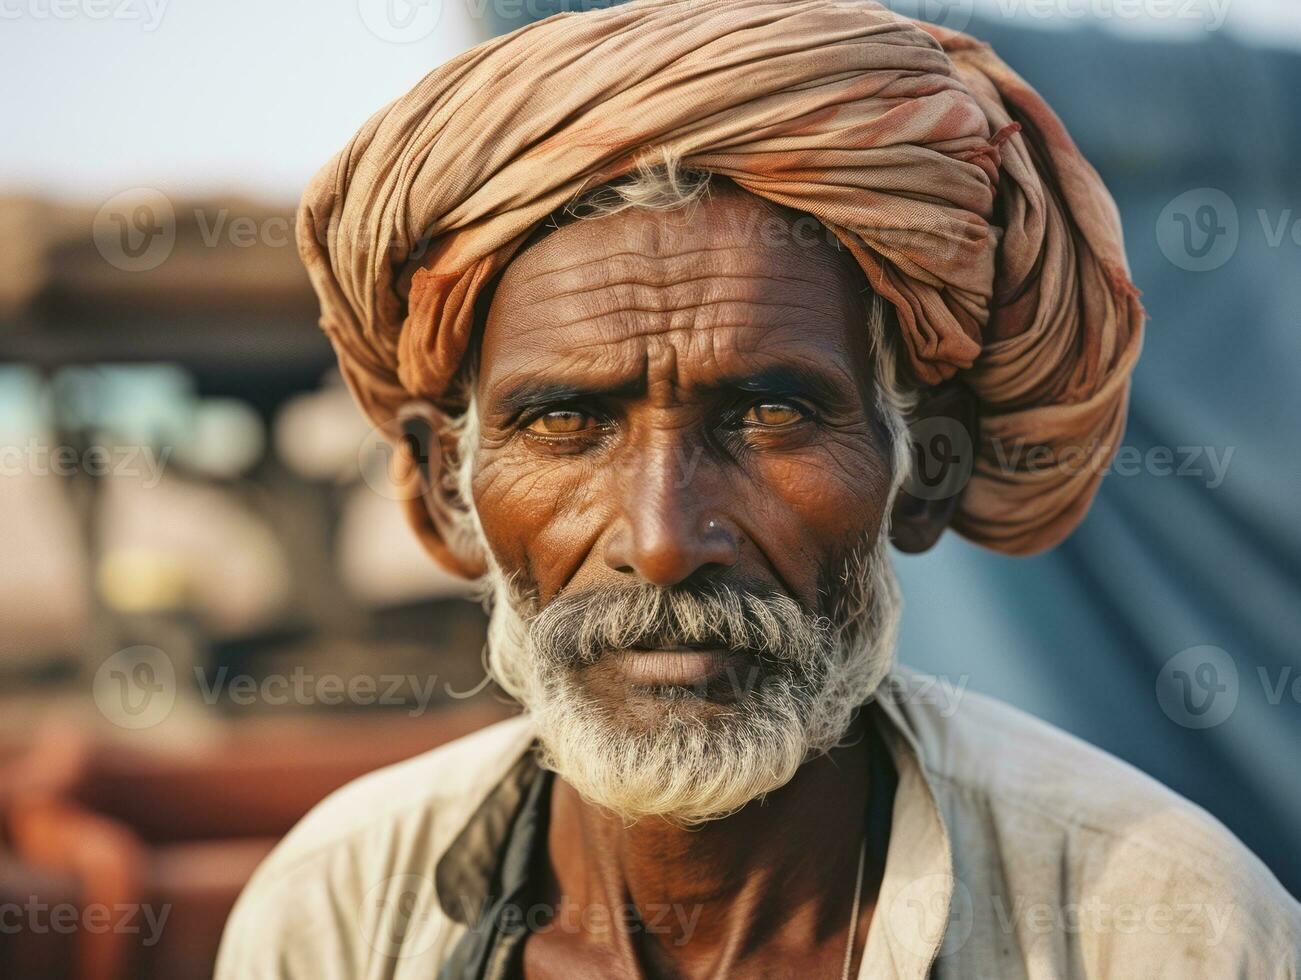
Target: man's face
point(680, 405)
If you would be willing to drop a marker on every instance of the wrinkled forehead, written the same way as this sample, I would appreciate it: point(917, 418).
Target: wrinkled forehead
point(727, 277)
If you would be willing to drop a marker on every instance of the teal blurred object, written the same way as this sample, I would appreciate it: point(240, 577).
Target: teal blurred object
point(1208, 554)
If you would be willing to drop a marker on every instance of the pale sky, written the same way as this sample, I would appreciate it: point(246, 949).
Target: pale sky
point(251, 96)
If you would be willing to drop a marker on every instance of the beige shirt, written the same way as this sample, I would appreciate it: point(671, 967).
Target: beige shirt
point(1015, 851)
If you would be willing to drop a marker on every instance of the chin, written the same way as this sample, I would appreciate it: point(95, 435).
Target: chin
point(680, 755)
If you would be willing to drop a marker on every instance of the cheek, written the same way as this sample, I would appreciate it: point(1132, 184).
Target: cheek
point(804, 512)
point(540, 516)
point(829, 509)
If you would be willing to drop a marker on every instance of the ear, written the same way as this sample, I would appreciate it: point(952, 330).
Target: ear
point(943, 432)
point(433, 506)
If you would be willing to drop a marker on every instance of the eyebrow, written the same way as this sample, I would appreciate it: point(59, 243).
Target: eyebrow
point(531, 396)
point(784, 380)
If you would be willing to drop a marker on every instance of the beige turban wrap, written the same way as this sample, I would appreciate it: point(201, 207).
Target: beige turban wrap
point(953, 184)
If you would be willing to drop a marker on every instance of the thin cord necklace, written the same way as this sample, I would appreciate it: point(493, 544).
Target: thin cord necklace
point(853, 916)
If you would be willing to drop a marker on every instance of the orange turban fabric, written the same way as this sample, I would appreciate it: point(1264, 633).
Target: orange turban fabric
point(953, 184)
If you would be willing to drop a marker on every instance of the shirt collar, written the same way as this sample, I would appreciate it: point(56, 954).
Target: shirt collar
point(915, 902)
point(464, 874)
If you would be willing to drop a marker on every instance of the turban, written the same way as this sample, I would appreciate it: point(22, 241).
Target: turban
point(954, 186)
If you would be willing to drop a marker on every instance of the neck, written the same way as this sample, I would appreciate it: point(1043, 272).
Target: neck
point(779, 871)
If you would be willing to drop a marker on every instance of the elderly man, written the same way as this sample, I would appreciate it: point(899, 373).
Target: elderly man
point(654, 300)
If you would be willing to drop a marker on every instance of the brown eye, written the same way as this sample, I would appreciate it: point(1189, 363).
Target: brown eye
point(773, 414)
point(560, 423)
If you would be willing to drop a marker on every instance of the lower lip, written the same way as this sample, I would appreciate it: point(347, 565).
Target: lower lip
point(674, 668)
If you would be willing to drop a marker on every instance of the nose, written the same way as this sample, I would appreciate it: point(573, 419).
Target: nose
point(670, 528)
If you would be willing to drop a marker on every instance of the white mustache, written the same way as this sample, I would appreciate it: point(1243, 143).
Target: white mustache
point(578, 630)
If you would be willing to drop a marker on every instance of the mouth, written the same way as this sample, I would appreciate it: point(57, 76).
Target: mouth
point(678, 666)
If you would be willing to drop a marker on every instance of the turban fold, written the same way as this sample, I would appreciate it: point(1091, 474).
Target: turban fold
point(953, 184)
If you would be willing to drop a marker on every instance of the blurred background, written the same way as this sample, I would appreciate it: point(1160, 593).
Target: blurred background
point(211, 612)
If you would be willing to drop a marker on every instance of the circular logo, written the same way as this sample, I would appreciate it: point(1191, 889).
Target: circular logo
point(1199, 230)
point(135, 230)
point(953, 14)
point(921, 920)
point(379, 459)
point(942, 458)
point(1198, 687)
point(396, 916)
point(136, 687)
point(400, 21)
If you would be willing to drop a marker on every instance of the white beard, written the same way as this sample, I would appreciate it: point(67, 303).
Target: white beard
point(684, 769)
